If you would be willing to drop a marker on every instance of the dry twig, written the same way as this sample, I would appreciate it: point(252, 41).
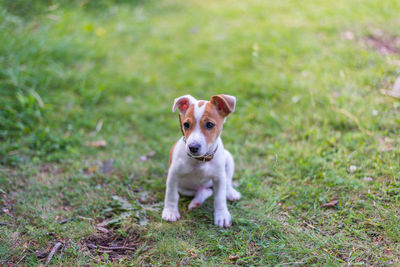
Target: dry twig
point(52, 252)
point(117, 248)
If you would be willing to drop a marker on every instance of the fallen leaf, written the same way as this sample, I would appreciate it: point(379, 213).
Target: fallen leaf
point(99, 143)
point(192, 253)
point(104, 223)
point(309, 225)
point(233, 257)
point(102, 229)
point(7, 211)
point(6, 200)
point(330, 204)
point(99, 126)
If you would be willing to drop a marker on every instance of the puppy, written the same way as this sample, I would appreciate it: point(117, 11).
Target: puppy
point(198, 162)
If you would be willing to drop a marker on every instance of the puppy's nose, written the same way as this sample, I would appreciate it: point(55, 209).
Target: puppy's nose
point(194, 147)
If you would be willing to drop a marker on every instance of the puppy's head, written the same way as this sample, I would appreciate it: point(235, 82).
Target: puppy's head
point(202, 120)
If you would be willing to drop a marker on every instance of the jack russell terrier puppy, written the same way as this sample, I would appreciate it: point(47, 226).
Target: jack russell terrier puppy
point(198, 161)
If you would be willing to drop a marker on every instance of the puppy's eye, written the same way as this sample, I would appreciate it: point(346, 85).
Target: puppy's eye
point(186, 125)
point(210, 125)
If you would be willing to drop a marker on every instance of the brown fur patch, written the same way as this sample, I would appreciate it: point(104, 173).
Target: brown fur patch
point(171, 151)
point(189, 118)
point(201, 103)
point(211, 114)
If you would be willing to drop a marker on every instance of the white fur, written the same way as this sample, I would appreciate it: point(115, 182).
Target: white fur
point(197, 136)
point(192, 177)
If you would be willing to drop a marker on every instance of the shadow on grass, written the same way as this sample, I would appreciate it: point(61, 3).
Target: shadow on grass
point(29, 9)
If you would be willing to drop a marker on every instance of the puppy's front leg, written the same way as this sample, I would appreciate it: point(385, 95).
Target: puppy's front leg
point(171, 212)
point(222, 217)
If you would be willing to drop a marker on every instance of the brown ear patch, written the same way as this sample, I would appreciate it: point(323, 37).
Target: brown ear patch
point(189, 118)
point(225, 104)
point(211, 114)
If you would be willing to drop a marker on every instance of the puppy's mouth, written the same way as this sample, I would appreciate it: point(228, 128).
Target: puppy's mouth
point(197, 154)
point(194, 154)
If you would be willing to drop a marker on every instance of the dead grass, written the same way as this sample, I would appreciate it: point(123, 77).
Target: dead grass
point(114, 244)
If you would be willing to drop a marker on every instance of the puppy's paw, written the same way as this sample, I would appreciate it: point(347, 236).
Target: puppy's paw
point(194, 205)
point(170, 215)
point(222, 218)
point(233, 195)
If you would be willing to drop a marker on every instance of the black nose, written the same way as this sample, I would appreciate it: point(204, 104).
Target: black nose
point(194, 147)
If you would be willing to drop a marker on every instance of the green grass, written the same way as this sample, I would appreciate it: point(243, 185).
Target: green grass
point(308, 107)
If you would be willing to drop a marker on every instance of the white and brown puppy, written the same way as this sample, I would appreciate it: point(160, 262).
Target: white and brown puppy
point(198, 162)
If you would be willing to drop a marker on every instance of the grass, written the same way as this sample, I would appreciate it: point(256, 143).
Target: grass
point(310, 127)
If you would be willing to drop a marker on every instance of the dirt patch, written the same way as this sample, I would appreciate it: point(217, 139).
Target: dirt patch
point(385, 44)
point(115, 245)
point(50, 169)
point(6, 205)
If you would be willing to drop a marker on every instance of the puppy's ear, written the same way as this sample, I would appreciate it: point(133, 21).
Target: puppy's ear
point(183, 103)
point(225, 104)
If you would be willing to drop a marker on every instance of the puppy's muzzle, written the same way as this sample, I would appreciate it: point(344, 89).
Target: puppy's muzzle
point(194, 147)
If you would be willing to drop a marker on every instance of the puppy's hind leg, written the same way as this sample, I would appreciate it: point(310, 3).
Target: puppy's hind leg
point(201, 195)
point(231, 192)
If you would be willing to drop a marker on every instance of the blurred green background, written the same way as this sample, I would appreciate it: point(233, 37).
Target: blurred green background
point(86, 90)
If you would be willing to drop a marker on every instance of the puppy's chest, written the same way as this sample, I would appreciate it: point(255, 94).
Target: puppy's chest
point(194, 180)
point(203, 170)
